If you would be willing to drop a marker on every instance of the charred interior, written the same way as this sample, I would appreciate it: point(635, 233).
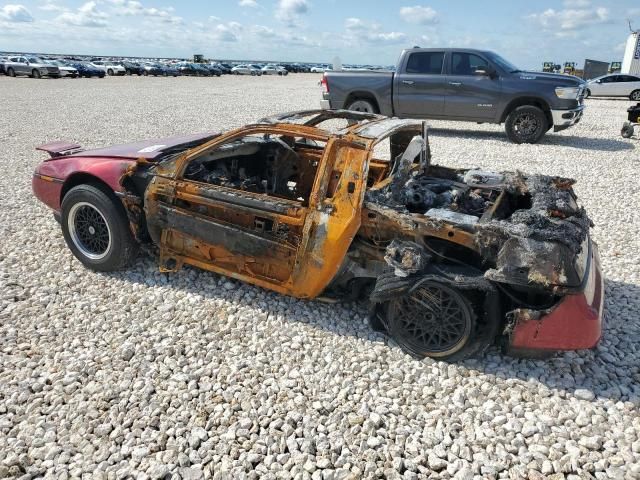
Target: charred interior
point(279, 166)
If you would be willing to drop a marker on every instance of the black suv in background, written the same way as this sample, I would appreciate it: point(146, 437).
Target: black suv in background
point(132, 68)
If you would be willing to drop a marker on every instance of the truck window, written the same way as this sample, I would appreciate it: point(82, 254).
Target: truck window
point(467, 63)
point(425, 62)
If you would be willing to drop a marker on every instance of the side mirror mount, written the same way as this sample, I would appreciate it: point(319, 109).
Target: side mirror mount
point(485, 72)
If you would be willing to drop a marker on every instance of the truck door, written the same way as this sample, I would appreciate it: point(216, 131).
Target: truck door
point(420, 85)
point(470, 94)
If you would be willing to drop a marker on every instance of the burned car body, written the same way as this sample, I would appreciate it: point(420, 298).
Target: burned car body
point(451, 260)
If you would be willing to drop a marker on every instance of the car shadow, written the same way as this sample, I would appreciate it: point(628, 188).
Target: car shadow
point(569, 141)
point(566, 371)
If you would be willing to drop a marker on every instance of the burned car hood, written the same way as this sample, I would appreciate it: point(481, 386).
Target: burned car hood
point(149, 149)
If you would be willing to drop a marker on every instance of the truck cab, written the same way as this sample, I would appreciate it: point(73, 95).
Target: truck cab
point(462, 84)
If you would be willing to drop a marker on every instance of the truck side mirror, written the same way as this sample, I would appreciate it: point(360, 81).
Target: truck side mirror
point(485, 72)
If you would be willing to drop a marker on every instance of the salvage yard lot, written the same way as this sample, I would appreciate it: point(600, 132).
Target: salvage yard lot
point(193, 373)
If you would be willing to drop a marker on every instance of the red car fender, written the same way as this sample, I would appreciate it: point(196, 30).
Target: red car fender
point(51, 176)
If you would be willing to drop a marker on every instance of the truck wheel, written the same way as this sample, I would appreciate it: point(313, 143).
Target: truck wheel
point(526, 124)
point(635, 95)
point(433, 320)
point(362, 105)
point(96, 229)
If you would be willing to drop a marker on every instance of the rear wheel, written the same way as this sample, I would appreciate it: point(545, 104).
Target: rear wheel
point(362, 105)
point(96, 229)
point(11, 72)
point(526, 124)
point(35, 73)
point(635, 95)
point(432, 320)
point(110, 72)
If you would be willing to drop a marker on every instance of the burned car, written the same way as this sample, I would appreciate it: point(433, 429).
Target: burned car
point(451, 260)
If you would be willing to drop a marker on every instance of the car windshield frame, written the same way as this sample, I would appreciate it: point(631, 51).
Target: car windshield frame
point(35, 60)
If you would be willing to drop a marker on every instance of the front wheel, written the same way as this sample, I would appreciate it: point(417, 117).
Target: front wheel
point(96, 229)
point(526, 124)
point(635, 95)
point(110, 72)
point(362, 105)
point(587, 93)
point(36, 73)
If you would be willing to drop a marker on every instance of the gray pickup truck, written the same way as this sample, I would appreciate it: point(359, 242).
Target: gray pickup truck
point(461, 84)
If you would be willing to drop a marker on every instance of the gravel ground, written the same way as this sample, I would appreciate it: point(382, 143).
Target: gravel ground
point(192, 375)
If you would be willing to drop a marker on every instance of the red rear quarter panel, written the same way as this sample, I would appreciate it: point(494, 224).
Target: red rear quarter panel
point(50, 176)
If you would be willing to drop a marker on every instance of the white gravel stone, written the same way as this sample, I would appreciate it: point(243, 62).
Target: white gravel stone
point(191, 375)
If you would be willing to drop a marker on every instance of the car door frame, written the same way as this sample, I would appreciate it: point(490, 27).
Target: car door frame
point(472, 107)
point(328, 224)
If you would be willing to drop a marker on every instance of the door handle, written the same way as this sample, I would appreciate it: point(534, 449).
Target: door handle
point(455, 84)
point(408, 82)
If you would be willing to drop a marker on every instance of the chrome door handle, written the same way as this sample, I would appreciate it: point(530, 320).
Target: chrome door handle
point(408, 82)
point(455, 84)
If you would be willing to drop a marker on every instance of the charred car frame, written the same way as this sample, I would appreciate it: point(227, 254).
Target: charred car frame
point(451, 260)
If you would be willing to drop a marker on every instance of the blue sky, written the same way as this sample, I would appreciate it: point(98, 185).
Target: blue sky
point(358, 31)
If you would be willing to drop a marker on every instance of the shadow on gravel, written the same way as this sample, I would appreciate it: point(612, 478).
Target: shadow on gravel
point(570, 141)
point(612, 371)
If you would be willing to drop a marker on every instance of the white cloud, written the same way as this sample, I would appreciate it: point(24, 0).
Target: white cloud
point(136, 8)
point(361, 31)
point(568, 20)
point(354, 24)
point(229, 32)
point(419, 15)
point(51, 6)
point(87, 15)
point(15, 13)
point(248, 3)
point(289, 11)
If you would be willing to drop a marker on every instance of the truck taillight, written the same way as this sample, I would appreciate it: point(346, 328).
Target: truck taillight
point(325, 84)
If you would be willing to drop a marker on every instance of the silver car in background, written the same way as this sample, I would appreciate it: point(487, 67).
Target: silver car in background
point(65, 70)
point(246, 69)
point(614, 85)
point(31, 66)
point(274, 70)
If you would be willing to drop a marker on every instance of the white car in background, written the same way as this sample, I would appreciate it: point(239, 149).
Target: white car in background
point(614, 85)
point(65, 70)
point(317, 69)
point(274, 70)
point(246, 69)
point(109, 68)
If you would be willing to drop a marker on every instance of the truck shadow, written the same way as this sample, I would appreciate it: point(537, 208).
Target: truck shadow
point(569, 141)
point(610, 371)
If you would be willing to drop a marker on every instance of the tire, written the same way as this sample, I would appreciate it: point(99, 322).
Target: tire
point(36, 73)
point(421, 333)
point(96, 229)
point(11, 72)
point(146, 74)
point(587, 93)
point(627, 130)
point(362, 105)
point(526, 124)
point(635, 96)
point(110, 72)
